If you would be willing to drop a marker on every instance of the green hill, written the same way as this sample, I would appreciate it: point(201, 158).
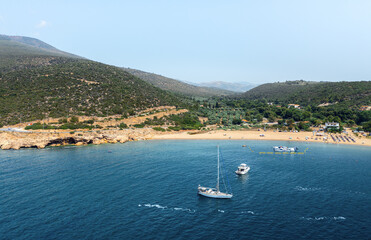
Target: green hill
point(19, 45)
point(178, 87)
point(23, 52)
point(36, 82)
point(314, 93)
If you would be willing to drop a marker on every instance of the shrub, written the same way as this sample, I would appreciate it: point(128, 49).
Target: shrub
point(74, 119)
point(159, 129)
point(89, 121)
point(63, 120)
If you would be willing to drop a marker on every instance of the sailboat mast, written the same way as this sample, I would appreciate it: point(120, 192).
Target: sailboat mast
point(217, 183)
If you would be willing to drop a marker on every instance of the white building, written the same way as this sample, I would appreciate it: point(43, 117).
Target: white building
point(332, 125)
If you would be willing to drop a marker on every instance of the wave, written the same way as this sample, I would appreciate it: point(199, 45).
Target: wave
point(316, 189)
point(249, 212)
point(300, 188)
point(154, 205)
point(167, 208)
point(323, 218)
point(184, 210)
point(222, 211)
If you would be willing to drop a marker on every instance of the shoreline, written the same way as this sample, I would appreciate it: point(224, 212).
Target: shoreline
point(255, 135)
point(42, 139)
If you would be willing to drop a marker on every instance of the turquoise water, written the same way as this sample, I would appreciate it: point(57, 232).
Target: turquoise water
point(148, 190)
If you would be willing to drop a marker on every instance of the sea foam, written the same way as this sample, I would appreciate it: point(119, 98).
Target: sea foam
point(167, 208)
point(306, 189)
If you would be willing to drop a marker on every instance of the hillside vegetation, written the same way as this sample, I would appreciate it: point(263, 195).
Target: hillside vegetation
point(313, 93)
point(176, 86)
point(23, 52)
point(40, 81)
point(79, 87)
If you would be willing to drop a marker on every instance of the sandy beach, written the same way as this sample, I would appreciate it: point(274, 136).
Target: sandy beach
point(263, 135)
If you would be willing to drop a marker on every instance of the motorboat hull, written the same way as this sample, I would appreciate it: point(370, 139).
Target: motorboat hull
point(241, 173)
point(242, 169)
point(285, 149)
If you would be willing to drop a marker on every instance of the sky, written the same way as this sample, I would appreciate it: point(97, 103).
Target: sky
point(250, 41)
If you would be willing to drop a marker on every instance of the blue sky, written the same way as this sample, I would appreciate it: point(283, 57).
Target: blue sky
point(199, 41)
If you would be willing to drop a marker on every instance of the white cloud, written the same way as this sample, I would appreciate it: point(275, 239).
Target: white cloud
point(42, 24)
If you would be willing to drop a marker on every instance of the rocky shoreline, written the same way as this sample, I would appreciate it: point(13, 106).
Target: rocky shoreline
point(17, 140)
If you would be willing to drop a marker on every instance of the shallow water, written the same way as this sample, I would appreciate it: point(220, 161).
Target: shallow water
point(148, 189)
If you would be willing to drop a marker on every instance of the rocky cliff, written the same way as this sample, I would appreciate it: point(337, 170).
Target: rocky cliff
point(17, 140)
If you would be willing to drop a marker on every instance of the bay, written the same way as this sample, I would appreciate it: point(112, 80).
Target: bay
point(148, 190)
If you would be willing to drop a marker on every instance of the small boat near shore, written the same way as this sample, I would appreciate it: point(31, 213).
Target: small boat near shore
point(285, 149)
point(242, 169)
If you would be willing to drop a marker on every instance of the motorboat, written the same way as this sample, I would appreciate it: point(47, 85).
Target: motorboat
point(242, 169)
point(285, 149)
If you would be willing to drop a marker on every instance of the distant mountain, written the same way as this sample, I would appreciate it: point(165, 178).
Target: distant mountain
point(315, 93)
point(177, 86)
point(29, 41)
point(230, 86)
point(19, 52)
point(20, 45)
point(37, 80)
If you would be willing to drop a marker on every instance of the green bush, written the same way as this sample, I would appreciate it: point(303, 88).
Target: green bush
point(75, 126)
point(37, 126)
point(89, 121)
point(175, 128)
point(63, 120)
point(159, 129)
point(74, 119)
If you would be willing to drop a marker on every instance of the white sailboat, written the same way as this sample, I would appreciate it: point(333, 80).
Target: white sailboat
point(213, 192)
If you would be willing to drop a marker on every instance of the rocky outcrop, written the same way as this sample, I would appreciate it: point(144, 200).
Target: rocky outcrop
point(17, 140)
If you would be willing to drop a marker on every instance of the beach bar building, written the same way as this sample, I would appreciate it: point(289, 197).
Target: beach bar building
point(332, 125)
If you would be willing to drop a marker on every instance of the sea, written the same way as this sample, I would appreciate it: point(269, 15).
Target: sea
point(148, 190)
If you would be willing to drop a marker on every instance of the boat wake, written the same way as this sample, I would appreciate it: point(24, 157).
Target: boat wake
point(167, 208)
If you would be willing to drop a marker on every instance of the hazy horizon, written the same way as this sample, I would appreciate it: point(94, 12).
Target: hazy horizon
point(240, 41)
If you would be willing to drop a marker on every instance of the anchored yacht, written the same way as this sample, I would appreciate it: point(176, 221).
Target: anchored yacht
point(242, 169)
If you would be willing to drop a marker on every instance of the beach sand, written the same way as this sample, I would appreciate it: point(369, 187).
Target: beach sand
point(262, 135)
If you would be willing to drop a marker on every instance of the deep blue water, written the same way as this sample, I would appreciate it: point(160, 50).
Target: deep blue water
point(148, 190)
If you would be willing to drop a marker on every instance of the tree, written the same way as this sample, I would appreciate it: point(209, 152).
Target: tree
point(74, 119)
point(259, 117)
point(307, 115)
point(236, 121)
point(367, 126)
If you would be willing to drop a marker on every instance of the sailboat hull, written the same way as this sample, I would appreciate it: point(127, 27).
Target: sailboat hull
point(212, 193)
point(223, 196)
